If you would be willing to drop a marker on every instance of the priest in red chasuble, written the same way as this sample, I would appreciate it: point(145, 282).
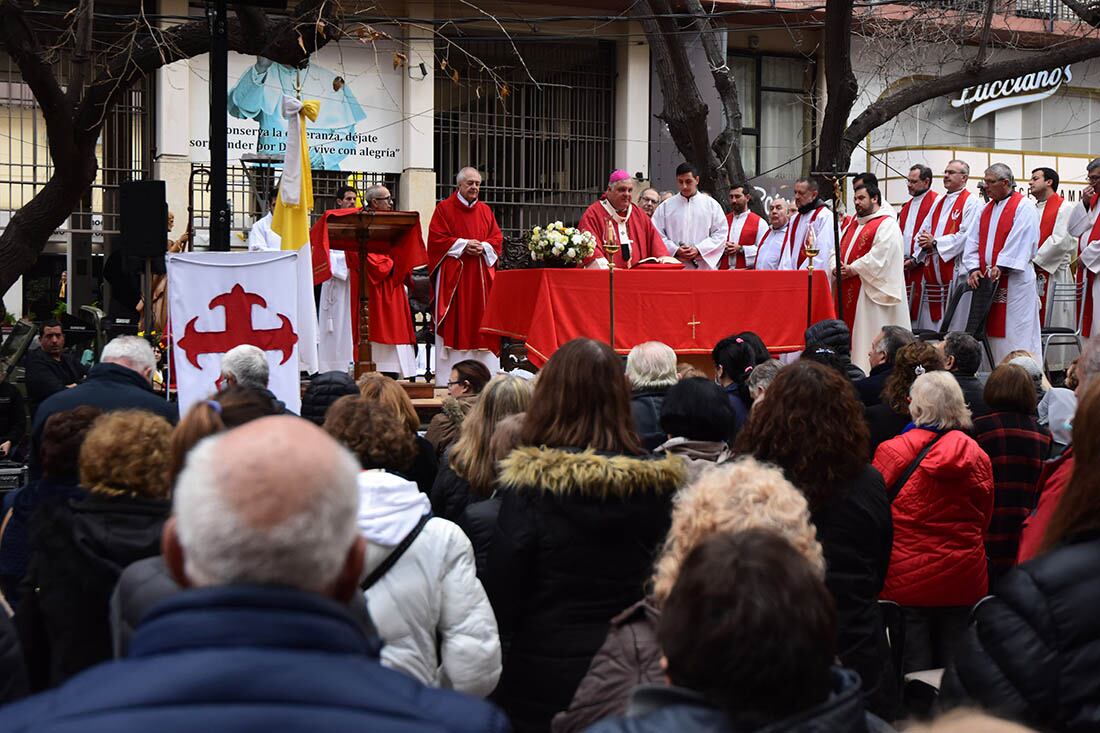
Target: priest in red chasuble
point(637, 237)
point(464, 243)
point(392, 336)
point(872, 274)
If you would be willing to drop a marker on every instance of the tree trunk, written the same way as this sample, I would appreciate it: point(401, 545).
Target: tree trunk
point(841, 88)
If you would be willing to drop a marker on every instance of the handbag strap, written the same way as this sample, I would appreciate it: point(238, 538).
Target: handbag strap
point(394, 556)
point(896, 487)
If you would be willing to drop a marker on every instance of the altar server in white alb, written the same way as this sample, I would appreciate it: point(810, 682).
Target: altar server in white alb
point(1000, 248)
point(1057, 248)
point(691, 223)
point(1084, 223)
point(770, 251)
point(871, 274)
point(812, 215)
point(941, 240)
point(746, 231)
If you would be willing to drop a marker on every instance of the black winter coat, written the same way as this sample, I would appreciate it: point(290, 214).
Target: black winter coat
point(13, 673)
point(645, 404)
point(883, 424)
point(973, 392)
point(79, 549)
point(324, 389)
point(574, 544)
point(870, 387)
point(450, 492)
point(1033, 650)
point(479, 520)
point(856, 531)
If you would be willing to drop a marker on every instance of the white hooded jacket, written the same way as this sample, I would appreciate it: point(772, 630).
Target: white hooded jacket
point(432, 588)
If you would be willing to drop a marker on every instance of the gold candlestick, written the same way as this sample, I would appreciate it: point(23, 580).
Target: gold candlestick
point(811, 252)
point(611, 248)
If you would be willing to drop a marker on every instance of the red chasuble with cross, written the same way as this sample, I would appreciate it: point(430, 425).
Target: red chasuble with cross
point(998, 311)
point(851, 249)
point(388, 304)
point(642, 238)
point(1046, 228)
point(463, 284)
point(747, 238)
point(945, 272)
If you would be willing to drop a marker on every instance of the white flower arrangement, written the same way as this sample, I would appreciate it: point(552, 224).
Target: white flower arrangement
point(559, 244)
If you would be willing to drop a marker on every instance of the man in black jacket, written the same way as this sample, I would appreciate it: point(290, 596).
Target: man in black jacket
point(121, 381)
point(962, 356)
point(50, 369)
point(884, 348)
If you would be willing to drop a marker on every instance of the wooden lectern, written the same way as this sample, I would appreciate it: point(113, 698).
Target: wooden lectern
point(368, 232)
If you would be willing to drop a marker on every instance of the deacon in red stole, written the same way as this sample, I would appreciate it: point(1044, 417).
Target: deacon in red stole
point(464, 242)
point(872, 274)
point(1000, 248)
point(911, 217)
point(634, 231)
point(746, 231)
point(1057, 248)
point(1084, 223)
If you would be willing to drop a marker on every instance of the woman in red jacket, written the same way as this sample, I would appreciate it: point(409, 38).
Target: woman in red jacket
point(942, 504)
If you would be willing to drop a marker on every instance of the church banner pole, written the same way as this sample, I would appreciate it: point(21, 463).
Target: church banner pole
point(610, 247)
point(835, 176)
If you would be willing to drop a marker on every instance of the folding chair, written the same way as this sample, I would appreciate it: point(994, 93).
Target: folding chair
point(1063, 293)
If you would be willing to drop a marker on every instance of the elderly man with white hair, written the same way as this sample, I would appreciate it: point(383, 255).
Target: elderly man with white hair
point(122, 380)
point(264, 537)
point(999, 251)
point(651, 370)
point(246, 366)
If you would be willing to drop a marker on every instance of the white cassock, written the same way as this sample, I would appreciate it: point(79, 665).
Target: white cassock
point(262, 239)
point(770, 250)
point(882, 300)
point(1080, 225)
point(822, 221)
point(335, 349)
point(698, 221)
point(948, 247)
point(910, 230)
point(736, 225)
point(445, 356)
point(1022, 318)
point(1053, 258)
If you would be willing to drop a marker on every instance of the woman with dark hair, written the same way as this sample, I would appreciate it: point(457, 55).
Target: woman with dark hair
point(582, 514)
point(698, 421)
point(1030, 652)
point(822, 451)
point(1017, 446)
point(888, 418)
point(466, 381)
point(759, 348)
point(734, 359)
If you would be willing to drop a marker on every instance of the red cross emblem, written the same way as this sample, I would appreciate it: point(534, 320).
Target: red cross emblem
point(238, 329)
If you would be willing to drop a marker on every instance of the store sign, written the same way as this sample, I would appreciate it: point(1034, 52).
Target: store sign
point(995, 95)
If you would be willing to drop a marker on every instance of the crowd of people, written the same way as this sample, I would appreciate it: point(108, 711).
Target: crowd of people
point(613, 546)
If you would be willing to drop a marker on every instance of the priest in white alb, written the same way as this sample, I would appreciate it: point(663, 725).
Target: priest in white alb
point(812, 215)
point(692, 224)
point(1000, 249)
point(747, 230)
point(1084, 223)
point(1057, 248)
point(871, 274)
point(770, 250)
point(942, 239)
point(912, 215)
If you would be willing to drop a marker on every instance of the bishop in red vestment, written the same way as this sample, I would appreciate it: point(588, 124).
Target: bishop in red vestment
point(464, 242)
point(637, 237)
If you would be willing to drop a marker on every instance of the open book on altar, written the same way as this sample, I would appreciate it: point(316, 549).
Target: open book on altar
point(661, 263)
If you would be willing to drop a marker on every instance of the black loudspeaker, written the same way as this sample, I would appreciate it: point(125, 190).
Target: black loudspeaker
point(143, 211)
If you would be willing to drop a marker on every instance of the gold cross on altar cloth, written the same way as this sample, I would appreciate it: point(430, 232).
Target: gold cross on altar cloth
point(693, 323)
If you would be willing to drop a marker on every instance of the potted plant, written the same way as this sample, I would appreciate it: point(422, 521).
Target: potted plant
point(557, 245)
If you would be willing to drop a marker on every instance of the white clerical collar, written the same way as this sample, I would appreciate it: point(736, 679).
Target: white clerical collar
point(782, 228)
point(920, 196)
point(949, 194)
point(468, 204)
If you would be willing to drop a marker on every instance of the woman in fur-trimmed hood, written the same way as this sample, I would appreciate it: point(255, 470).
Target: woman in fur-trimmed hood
point(582, 515)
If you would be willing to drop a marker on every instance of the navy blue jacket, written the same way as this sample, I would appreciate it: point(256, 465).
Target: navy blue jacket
point(249, 658)
point(108, 387)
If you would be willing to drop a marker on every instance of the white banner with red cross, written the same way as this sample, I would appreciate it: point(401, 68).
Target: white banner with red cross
point(218, 300)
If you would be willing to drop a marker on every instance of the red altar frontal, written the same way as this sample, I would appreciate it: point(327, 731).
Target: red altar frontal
point(687, 309)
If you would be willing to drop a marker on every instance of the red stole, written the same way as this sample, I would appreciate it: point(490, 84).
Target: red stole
point(747, 238)
point(1087, 276)
point(944, 273)
point(850, 252)
point(792, 232)
point(998, 311)
point(464, 282)
point(1046, 228)
point(922, 213)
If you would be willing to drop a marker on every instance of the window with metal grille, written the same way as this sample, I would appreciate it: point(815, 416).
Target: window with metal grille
point(544, 150)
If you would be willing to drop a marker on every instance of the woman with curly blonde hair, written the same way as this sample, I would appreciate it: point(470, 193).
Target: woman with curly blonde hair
point(730, 498)
point(80, 547)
